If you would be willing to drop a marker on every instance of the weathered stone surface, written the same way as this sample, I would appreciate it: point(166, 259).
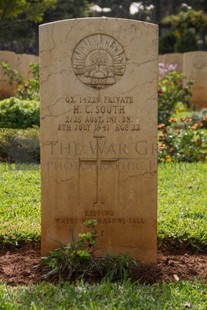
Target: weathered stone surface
point(23, 62)
point(195, 68)
point(19, 62)
point(99, 133)
point(6, 89)
point(161, 58)
point(173, 59)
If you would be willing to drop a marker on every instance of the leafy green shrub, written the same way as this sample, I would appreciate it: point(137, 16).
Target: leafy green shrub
point(167, 43)
point(187, 42)
point(189, 27)
point(26, 89)
point(30, 89)
point(173, 90)
point(182, 144)
point(16, 113)
point(12, 74)
point(26, 140)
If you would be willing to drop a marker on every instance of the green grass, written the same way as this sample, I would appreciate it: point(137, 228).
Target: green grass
point(181, 217)
point(106, 295)
point(19, 204)
point(182, 204)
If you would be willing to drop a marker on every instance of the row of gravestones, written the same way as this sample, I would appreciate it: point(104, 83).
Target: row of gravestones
point(19, 62)
point(194, 66)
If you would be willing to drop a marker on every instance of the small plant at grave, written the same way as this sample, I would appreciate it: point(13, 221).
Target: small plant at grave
point(26, 89)
point(116, 268)
point(77, 260)
point(182, 144)
point(173, 91)
point(73, 258)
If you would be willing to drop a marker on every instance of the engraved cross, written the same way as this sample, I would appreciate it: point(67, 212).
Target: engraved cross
point(98, 161)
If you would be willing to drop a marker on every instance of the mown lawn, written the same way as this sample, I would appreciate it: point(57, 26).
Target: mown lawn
point(182, 204)
point(19, 204)
point(106, 295)
point(182, 209)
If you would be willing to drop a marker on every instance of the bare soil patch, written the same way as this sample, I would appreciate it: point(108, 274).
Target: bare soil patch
point(19, 265)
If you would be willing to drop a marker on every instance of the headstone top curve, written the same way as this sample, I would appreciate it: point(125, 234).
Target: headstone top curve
point(98, 20)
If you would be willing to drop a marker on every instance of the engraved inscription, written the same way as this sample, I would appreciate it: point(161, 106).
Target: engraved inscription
point(96, 114)
point(98, 202)
point(104, 220)
point(199, 62)
point(99, 213)
point(99, 60)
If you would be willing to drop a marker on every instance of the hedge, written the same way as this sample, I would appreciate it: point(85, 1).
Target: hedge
point(19, 145)
point(17, 113)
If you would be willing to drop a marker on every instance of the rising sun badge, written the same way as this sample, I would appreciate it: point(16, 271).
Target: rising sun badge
point(99, 61)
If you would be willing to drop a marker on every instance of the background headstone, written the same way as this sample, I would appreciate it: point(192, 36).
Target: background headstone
point(99, 133)
point(6, 89)
point(19, 62)
point(23, 62)
point(173, 59)
point(161, 59)
point(195, 69)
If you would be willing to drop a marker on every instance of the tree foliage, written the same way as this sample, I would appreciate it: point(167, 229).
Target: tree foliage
point(187, 28)
point(19, 19)
point(121, 9)
point(189, 19)
point(23, 10)
point(67, 9)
